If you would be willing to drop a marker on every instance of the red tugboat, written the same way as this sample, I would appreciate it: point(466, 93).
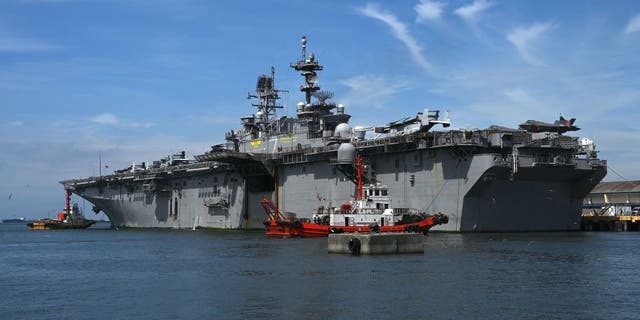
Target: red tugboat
point(371, 212)
point(70, 218)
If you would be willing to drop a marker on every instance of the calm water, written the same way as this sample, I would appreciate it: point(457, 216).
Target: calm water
point(151, 274)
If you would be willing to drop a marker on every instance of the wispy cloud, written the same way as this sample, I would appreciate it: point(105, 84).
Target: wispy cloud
point(524, 39)
point(371, 90)
point(15, 44)
point(136, 124)
point(399, 30)
point(44, 1)
point(520, 96)
point(16, 123)
point(105, 118)
point(215, 119)
point(471, 11)
point(633, 25)
point(112, 119)
point(429, 10)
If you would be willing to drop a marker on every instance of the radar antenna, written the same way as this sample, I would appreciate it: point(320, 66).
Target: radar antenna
point(323, 96)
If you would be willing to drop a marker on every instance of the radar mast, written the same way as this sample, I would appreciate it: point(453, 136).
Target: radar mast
point(308, 66)
point(267, 94)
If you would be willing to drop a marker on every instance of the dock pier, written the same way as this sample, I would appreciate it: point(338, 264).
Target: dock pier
point(610, 223)
point(376, 243)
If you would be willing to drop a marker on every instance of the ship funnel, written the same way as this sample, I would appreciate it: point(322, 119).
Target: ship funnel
point(340, 109)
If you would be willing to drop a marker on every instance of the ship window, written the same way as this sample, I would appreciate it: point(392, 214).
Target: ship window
point(215, 179)
point(304, 169)
point(386, 206)
point(383, 192)
point(377, 192)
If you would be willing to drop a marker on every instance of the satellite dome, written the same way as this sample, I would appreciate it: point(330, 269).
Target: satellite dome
point(343, 131)
point(346, 153)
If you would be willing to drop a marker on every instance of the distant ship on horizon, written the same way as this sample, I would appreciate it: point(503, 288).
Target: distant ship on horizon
point(15, 220)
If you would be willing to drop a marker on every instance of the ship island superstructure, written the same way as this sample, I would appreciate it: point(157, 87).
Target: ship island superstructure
point(533, 178)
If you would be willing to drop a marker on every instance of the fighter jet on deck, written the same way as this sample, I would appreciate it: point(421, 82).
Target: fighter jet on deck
point(560, 126)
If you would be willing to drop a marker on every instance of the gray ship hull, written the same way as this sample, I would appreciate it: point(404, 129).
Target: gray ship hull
point(478, 193)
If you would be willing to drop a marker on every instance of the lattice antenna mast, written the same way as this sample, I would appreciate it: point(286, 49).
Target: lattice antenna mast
point(308, 67)
point(268, 98)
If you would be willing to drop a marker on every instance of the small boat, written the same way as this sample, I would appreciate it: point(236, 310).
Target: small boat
point(69, 218)
point(370, 212)
point(361, 218)
point(16, 220)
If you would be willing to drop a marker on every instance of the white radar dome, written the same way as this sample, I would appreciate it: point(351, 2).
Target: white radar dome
point(343, 131)
point(346, 153)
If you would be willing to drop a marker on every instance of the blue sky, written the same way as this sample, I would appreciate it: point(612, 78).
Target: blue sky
point(136, 80)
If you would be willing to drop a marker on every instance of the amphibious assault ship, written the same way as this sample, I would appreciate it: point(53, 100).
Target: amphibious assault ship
point(531, 178)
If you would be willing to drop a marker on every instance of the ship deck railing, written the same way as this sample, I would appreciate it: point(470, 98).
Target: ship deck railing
point(144, 174)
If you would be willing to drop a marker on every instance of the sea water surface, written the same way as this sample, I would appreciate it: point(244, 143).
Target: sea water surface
point(202, 274)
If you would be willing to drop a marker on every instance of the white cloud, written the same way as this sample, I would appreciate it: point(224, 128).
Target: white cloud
point(105, 118)
point(429, 10)
point(524, 39)
point(400, 31)
point(216, 119)
point(471, 11)
point(371, 90)
point(136, 124)
point(43, 1)
point(633, 25)
point(520, 96)
point(16, 123)
point(15, 45)
point(111, 119)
